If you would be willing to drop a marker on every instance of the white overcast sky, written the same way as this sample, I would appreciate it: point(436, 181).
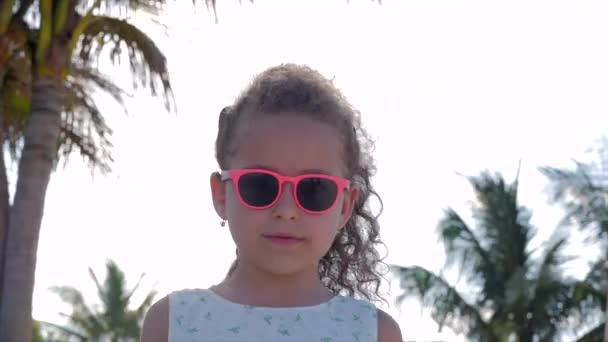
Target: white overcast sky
point(443, 86)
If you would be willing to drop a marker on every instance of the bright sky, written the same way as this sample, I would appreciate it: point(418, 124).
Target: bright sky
point(443, 86)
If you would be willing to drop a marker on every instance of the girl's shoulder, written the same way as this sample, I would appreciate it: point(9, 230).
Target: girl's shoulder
point(156, 322)
point(387, 328)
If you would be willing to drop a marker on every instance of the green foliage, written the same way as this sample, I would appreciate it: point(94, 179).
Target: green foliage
point(519, 293)
point(37, 332)
point(84, 129)
point(147, 62)
point(583, 193)
point(114, 318)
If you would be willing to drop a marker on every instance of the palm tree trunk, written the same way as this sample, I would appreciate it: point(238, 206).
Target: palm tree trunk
point(4, 202)
point(35, 167)
point(606, 311)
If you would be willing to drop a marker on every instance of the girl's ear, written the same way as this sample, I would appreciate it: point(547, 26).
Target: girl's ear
point(351, 196)
point(218, 194)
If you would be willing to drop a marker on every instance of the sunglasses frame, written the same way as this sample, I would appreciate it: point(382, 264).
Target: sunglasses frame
point(235, 175)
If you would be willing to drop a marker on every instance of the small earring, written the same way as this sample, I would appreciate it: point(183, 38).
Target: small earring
point(223, 223)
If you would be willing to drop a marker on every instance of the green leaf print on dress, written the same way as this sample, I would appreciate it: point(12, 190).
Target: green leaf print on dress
point(235, 330)
point(283, 331)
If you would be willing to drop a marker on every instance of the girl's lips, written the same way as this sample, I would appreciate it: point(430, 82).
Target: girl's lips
point(283, 239)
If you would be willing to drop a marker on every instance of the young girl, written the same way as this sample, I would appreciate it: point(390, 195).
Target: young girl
point(294, 187)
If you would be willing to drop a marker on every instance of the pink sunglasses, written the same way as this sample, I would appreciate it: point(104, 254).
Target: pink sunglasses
point(261, 189)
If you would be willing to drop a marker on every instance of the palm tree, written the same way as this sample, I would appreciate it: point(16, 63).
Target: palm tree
point(114, 320)
point(517, 293)
point(37, 332)
point(583, 192)
point(591, 293)
point(48, 110)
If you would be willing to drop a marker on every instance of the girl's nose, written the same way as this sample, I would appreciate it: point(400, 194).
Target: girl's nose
point(286, 207)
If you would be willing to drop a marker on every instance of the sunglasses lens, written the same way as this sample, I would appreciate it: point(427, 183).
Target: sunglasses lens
point(258, 189)
point(317, 194)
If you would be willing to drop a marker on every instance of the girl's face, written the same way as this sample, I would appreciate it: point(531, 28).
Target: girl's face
point(284, 238)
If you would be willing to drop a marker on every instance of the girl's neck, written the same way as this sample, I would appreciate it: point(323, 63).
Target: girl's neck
point(251, 286)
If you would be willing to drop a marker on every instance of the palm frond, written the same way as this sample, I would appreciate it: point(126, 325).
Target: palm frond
point(464, 248)
point(517, 293)
point(82, 317)
point(121, 7)
point(71, 296)
point(64, 331)
point(147, 62)
point(115, 304)
point(582, 194)
point(558, 301)
point(211, 4)
point(496, 248)
point(504, 224)
point(136, 317)
point(84, 127)
point(101, 291)
point(91, 326)
point(504, 228)
point(593, 335)
point(37, 332)
point(24, 7)
point(15, 88)
point(113, 320)
point(150, 6)
point(553, 307)
point(98, 81)
point(591, 291)
point(597, 275)
point(132, 291)
point(554, 259)
point(552, 292)
point(141, 310)
point(13, 41)
point(15, 103)
point(448, 307)
point(589, 295)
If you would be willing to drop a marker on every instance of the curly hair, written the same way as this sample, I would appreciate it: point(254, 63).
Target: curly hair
point(351, 266)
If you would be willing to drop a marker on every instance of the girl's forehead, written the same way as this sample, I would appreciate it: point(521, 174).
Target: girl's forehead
point(289, 144)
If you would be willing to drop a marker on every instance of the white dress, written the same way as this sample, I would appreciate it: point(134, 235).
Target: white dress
point(197, 315)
